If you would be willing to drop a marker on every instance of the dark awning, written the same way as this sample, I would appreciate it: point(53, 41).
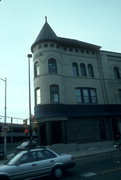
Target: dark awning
point(62, 110)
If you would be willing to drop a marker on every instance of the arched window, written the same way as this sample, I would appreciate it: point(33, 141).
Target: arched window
point(116, 72)
point(83, 70)
point(52, 65)
point(37, 96)
point(54, 93)
point(36, 69)
point(90, 70)
point(75, 69)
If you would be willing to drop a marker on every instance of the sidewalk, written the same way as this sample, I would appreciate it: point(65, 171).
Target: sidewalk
point(84, 150)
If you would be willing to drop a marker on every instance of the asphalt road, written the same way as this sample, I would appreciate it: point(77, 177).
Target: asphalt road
point(94, 168)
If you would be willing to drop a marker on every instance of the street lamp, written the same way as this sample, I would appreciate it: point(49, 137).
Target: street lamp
point(29, 57)
point(5, 139)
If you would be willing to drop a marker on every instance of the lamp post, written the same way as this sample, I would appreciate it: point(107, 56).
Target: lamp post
point(29, 57)
point(5, 139)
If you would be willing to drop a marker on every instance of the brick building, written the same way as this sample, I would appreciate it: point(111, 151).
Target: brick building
point(77, 90)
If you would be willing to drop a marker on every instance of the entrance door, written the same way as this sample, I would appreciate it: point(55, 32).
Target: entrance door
point(115, 127)
point(56, 132)
point(42, 134)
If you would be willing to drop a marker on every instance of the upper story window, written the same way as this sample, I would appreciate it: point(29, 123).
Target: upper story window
point(37, 96)
point(45, 45)
point(75, 69)
point(83, 70)
point(90, 70)
point(86, 95)
point(54, 93)
point(52, 65)
point(36, 69)
point(116, 72)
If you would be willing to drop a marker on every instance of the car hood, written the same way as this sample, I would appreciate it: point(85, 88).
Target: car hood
point(3, 167)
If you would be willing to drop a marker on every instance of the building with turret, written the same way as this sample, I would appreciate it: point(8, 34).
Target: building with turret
point(77, 90)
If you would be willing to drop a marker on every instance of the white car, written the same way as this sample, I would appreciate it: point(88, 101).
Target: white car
point(37, 162)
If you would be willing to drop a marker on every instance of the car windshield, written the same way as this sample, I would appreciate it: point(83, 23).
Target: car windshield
point(15, 159)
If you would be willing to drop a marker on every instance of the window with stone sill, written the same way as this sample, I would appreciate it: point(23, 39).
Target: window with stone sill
point(90, 70)
point(83, 70)
point(36, 69)
point(52, 66)
point(86, 95)
point(54, 93)
point(37, 96)
point(116, 72)
point(75, 69)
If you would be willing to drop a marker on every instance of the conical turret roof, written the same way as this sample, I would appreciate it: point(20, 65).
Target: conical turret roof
point(46, 34)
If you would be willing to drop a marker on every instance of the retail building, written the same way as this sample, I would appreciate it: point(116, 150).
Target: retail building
point(77, 90)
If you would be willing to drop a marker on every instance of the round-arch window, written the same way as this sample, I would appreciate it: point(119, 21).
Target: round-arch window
point(52, 65)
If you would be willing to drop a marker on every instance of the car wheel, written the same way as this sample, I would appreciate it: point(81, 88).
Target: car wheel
point(57, 172)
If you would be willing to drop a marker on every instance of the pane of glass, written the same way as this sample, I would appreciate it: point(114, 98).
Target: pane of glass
point(85, 92)
point(52, 66)
point(116, 73)
point(93, 95)
point(78, 92)
point(55, 97)
point(47, 154)
point(38, 97)
point(86, 95)
point(90, 70)
point(83, 70)
point(75, 69)
point(54, 94)
point(37, 70)
point(78, 95)
point(78, 99)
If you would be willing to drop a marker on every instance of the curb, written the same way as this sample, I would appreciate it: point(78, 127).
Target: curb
point(82, 156)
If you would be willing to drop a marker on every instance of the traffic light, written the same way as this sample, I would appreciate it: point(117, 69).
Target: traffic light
point(34, 123)
point(25, 122)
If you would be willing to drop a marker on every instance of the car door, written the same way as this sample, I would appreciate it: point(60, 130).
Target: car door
point(46, 162)
point(26, 167)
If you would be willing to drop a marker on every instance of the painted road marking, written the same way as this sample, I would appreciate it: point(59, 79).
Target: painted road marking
point(110, 170)
point(89, 174)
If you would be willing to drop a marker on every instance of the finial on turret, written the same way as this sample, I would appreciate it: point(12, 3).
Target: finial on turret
point(46, 19)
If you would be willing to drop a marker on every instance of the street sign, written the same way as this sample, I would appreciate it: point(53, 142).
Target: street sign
point(5, 127)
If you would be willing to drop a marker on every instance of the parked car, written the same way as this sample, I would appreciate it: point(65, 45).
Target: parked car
point(34, 163)
point(27, 145)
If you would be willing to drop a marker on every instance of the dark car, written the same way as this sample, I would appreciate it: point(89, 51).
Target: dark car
point(34, 163)
point(27, 145)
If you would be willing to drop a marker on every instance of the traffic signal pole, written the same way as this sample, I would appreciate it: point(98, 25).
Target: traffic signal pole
point(30, 116)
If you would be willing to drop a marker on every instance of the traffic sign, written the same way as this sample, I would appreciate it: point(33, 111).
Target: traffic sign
point(5, 127)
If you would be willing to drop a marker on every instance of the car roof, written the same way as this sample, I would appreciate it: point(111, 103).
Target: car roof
point(37, 148)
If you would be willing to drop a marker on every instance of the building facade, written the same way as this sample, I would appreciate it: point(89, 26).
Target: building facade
point(77, 90)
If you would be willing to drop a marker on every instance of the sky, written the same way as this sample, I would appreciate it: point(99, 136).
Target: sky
point(93, 21)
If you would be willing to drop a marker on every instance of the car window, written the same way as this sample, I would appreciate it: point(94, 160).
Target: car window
point(28, 157)
point(40, 155)
point(48, 154)
point(15, 159)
